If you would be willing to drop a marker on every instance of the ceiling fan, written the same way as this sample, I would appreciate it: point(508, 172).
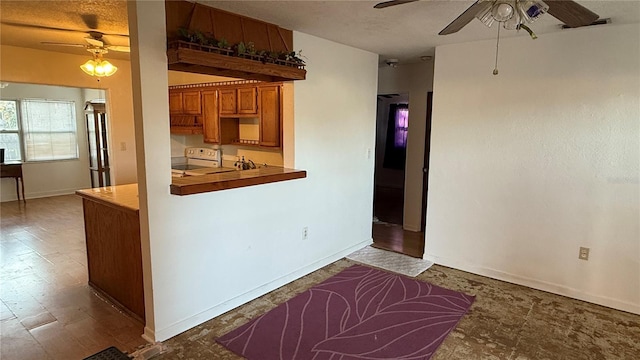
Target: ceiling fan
point(514, 13)
point(95, 41)
point(95, 44)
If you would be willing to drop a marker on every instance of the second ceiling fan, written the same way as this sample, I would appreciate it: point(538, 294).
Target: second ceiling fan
point(514, 13)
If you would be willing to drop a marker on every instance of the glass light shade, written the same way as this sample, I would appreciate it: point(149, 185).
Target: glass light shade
point(502, 11)
point(511, 13)
point(484, 14)
point(98, 68)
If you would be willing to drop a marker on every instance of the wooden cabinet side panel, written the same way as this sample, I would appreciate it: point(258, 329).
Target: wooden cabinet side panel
point(228, 101)
point(211, 119)
point(114, 256)
point(247, 100)
point(191, 102)
point(270, 116)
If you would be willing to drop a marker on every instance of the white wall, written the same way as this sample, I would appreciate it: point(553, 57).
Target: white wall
point(49, 178)
point(529, 165)
point(417, 81)
point(232, 246)
point(27, 66)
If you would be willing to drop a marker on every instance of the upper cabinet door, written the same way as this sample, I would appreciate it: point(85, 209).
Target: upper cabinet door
point(247, 101)
point(228, 102)
point(175, 102)
point(210, 119)
point(270, 116)
point(191, 103)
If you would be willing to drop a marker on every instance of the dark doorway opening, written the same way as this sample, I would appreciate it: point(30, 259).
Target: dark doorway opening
point(388, 203)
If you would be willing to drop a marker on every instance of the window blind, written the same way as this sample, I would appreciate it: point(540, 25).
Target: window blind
point(49, 129)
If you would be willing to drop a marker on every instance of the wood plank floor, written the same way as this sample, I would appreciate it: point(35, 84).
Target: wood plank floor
point(47, 310)
point(394, 238)
point(388, 233)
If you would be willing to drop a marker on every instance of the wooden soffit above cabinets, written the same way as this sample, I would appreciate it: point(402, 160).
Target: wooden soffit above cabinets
point(234, 28)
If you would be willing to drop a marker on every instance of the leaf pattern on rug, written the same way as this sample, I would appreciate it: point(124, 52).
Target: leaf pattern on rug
point(360, 313)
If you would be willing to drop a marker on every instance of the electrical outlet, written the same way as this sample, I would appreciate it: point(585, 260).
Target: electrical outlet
point(584, 253)
point(305, 233)
point(123, 146)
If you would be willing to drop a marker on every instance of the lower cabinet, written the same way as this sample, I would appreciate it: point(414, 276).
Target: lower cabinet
point(114, 255)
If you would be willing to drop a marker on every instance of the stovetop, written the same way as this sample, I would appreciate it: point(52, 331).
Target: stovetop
point(184, 167)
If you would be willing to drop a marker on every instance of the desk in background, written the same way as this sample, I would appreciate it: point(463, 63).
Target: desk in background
point(13, 170)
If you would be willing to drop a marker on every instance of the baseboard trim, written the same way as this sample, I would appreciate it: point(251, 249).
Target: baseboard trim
point(42, 194)
point(149, 335)
point(188, 323)
point(536, 284)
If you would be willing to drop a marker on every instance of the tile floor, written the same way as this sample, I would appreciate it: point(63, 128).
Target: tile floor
point(47, 310)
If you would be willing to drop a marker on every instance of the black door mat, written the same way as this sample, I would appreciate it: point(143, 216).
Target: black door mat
point(111, 353)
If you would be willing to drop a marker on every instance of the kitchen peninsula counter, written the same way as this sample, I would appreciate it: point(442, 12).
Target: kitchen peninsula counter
point(114, 256)
point(233, 179)
point(121, 196)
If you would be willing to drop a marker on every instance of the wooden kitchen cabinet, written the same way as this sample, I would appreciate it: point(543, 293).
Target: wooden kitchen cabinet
point(216, 130)
point(223, 110)
point(184, 102)
point(210, 117)
point(114, 253)
point(270, 116)
point(175, 103)
point(238, 102)
point(247, 101)
point(228, 101)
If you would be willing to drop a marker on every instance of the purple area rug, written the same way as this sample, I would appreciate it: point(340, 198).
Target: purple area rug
point(360, 313)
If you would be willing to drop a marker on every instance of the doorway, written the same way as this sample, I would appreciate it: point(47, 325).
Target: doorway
point(389, 179)
point(391, 136)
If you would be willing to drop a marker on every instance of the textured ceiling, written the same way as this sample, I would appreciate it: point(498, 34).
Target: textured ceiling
point(64, 22)
point(406, 32)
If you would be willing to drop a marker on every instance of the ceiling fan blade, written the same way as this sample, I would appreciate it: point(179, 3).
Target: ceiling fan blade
point(119, 48)
point(61, 44)
point(571, 13)
point(465, 17)
point(385, 4)
point(38, 26)
point(94, 42)
point(44, 27)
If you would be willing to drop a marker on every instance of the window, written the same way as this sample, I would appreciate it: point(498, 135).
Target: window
point(395, 151)
point(49, 130)
point(9, 130)
point(401, 127)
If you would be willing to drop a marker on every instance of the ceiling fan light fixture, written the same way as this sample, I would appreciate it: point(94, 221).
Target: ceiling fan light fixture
point(511, 13)
point(98, 67)
point(502, 12)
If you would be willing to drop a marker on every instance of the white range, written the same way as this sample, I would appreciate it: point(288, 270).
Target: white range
point(199, 161)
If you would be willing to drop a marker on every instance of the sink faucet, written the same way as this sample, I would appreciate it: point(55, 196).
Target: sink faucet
point(244, 165)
